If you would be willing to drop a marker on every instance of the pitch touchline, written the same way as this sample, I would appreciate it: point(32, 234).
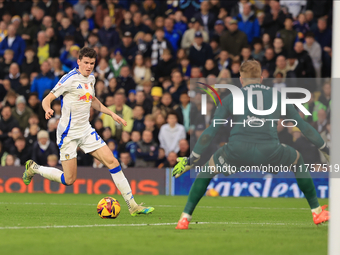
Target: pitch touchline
point(218, 207)
point(154, 224)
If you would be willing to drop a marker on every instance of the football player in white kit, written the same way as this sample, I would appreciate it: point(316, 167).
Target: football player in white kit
point(76, 92)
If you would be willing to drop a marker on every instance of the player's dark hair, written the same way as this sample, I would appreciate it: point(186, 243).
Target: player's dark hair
point(87, 52)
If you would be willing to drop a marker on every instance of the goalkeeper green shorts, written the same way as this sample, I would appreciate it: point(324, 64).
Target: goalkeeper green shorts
point(243, 154)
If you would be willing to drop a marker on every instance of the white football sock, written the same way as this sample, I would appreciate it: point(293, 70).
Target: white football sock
point(124, 188)
point(185, 215)
point(50, 173)
point(317, 210)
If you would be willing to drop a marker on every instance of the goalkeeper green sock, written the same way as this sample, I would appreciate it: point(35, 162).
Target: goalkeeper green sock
point(197, 191)
point(306, 184)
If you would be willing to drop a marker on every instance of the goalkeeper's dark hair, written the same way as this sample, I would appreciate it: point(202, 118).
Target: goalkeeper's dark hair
point(87, 52)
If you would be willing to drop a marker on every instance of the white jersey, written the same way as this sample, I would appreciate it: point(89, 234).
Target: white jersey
point(76, 92)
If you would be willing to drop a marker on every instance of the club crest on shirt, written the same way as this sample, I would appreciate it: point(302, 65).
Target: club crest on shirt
point(67, 156)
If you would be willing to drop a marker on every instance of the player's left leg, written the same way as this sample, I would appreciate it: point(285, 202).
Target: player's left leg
point(104, 155)
point(197, 191)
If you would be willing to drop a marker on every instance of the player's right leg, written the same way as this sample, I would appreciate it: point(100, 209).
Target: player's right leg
point(306, 185)
point(197, 191)
point(68, 156)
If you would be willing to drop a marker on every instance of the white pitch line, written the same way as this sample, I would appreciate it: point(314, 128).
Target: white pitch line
point(155, 224)
point(209, 207)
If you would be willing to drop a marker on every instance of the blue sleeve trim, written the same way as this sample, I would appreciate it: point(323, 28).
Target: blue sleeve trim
point(116, 170)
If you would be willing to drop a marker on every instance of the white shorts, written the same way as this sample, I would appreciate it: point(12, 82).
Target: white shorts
point(88, 143)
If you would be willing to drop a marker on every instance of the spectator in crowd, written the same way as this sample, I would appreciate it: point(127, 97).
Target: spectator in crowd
point(325, 97)
point(128, 48)
point(35, 104)
point(274, 19)
point(258, 52)
point(268, 61)
point(171, 35)
point(6, 63)
point(321, 123)
point(125, 160)
point(27, 30)
point(108, 35)
point(171, 160)
point(13, 76)
point(121, 109)
point(81, 36)
point(319, 8)
point(233, 40)
point(206, 18)
point(103, 72)
point(281, 66)
point(304, 58)
point(170, 134)
point(7, 123)
point(313, 106)
point(131, 146)
point(21, 113)
point(141, 73)
point(79, 8)
point(31, 62)
point(127, 23)
point(42, 148)
point(15, 43)
point(301, 25)
point(25, 87)
point(138, 25)
point(199, 51)
point(117, 62)
point(288, 35)
point(178, 86)
point(147, 151)
point(218, 29)
point(279, 47)
point(93, 41)
point(44, 49)
point(184, 149)
point(293, 7)
point(20, 150)
point(314, 51)
point(165, 66)
point(69, 57)
point(180, 22)
point(125, 80)
point(248, 23)
point(189, 35)
point(138, 118)
point(66, 28)
point(45, 81)
point(52, 160)
point(159, 44)
point(323, 36)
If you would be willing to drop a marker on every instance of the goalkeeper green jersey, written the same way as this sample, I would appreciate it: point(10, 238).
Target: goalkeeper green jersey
point(253, 128)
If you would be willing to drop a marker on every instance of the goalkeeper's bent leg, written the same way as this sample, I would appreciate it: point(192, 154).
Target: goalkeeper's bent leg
point(305, 183)
point(197, 191)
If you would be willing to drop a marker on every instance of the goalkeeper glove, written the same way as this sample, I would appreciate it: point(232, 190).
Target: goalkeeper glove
point(325, 151)
point(185, 164)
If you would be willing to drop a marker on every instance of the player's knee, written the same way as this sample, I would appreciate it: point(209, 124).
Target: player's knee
point(112, 162)
point(70, 180)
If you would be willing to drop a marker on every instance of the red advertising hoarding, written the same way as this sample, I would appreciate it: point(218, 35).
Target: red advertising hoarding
point(89, 181)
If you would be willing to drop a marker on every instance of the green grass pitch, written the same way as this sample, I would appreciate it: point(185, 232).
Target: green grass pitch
point(69, 224)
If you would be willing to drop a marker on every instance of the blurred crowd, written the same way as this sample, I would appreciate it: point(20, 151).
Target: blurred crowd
point(148, 52)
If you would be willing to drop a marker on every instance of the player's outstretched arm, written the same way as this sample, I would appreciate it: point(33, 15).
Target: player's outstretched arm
point(97, 105)
point(46, 104)
point(308, 131)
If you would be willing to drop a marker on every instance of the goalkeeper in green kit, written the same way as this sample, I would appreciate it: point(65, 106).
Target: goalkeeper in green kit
point(252, 146)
